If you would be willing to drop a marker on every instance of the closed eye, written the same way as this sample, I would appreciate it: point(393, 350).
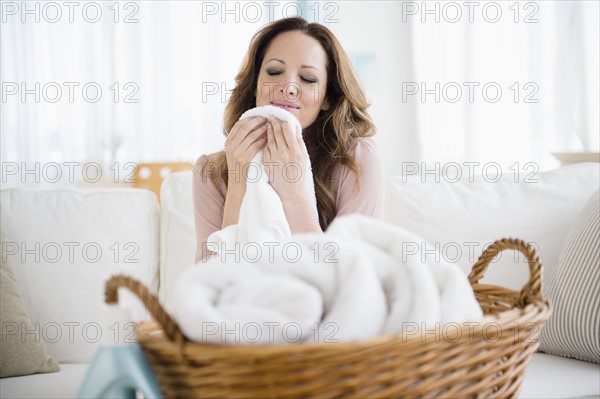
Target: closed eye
point(308, 79)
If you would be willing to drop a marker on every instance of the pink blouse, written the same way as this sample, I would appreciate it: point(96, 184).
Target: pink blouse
point(369, 200)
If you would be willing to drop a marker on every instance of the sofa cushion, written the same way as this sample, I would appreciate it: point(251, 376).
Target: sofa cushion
point(462, 216)
point(548, 376)
point(177, 234)
point(573, 329)
point(19, 354)
point(65, 244)
point(64, 384)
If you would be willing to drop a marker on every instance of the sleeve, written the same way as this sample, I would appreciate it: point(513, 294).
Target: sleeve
point(368, 198)
point(208, 206)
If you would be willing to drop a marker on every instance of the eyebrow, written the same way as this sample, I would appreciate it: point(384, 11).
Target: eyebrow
point(301, 66)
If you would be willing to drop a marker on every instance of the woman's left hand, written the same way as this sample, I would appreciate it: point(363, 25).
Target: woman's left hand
point(285, 157)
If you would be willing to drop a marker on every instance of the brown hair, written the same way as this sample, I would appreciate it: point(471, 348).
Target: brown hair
point(335, 130)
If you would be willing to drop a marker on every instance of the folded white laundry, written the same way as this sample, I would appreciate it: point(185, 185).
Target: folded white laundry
point(290, 292)
point(354, 282)
point(420, 286)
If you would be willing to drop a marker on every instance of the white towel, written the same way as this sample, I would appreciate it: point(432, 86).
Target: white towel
point(422, 289)
point(262, 217)
point(298, 294)
point(355, 282)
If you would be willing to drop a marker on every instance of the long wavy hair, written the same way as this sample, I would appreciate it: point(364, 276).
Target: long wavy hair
point(335, 130)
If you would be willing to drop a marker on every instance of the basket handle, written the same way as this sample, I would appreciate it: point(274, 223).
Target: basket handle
point(111, 295)
point(533, 287)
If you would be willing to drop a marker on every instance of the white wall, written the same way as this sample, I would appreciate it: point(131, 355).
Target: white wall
point(374, 29)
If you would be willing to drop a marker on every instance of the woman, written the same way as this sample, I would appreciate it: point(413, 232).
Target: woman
point(302, 68)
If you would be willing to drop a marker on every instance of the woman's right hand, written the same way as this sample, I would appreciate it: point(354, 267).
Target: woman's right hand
point(244, 140)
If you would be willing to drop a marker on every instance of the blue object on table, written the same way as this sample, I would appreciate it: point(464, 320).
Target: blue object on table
point(119, 372)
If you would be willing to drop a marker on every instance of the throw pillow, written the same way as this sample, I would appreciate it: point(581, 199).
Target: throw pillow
point(21, 353)
point(573, 330)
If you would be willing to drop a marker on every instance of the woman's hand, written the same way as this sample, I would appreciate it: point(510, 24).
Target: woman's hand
point(244, 140)
point(285, 159)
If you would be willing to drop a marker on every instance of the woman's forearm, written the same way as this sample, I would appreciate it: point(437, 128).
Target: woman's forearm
point(300, 215)
point(233, 203)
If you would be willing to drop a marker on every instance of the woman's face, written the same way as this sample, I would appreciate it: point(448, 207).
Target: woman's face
point(293, 76)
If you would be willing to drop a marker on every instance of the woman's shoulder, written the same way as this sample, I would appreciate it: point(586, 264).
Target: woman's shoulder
point(201, 161)
point(206, 159)
point(207, 172)
point(365, 156)
point(210, 164)
point(364, 149)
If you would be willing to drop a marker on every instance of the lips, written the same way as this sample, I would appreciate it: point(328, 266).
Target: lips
point(285, 105)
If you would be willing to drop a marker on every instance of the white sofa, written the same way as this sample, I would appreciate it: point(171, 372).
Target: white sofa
point(106, 231)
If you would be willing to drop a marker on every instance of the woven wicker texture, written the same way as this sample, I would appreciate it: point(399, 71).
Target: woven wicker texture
point(484, 358)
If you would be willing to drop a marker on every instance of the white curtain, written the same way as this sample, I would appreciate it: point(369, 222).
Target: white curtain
point(156, 77)
point(533, 71)
point(164, 69)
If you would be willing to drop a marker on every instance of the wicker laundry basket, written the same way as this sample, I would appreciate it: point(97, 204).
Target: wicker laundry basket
point(479, 359)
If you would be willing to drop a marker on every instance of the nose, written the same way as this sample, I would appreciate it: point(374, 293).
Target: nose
point(290, 90)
